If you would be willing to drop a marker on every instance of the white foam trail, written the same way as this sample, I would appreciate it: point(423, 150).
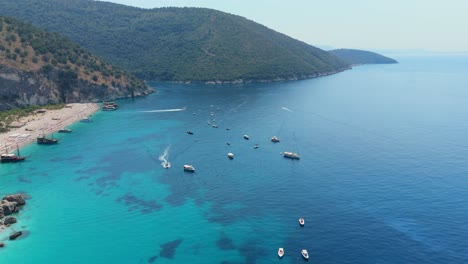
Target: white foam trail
point(165, 110)
point(287, 109)
point(164, 157)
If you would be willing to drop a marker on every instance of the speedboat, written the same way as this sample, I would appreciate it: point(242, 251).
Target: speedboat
point(280, 252)
point(275, 139)
point(291, 155)
point(301, 221)
point(230, 155)
point(246, 137)
point(167, 165)
point(189, 168)
point(305, 254)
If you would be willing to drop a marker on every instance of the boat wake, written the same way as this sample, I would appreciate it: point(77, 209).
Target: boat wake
point(286, 109)
point(164, 158)
point(164, 110)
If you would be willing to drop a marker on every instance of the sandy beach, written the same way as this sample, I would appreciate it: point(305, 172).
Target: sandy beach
point(45, 123)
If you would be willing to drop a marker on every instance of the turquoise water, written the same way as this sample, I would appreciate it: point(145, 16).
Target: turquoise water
point(382, 176)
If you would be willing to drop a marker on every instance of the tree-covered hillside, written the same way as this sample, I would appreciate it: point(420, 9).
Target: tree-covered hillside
point(353, 56)
point(181, 44)
point(38, 67)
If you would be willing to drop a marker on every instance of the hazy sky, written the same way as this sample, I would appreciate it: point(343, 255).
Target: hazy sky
point(367, 24)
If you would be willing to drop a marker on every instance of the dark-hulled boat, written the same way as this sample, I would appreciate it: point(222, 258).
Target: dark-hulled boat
point(42, 140)
point(10, 157)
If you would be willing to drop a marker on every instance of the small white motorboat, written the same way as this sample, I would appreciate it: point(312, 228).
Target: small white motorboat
point(189, 168)
point(275, 139)
point(291, 155)
point(302, 221)
point(230, 155)
point(305, 254)
point(280, 252)
point(246, 137)
point(256, 146)
point(65, 130)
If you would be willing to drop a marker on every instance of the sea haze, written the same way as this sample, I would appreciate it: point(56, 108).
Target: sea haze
point(382, 176)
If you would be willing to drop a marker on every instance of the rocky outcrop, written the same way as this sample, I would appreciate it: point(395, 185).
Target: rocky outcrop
point(10, 204)
point(9, 220)
point(7, 207)
point(18, 198)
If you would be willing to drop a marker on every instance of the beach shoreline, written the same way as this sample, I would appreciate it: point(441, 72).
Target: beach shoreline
point(45, 123)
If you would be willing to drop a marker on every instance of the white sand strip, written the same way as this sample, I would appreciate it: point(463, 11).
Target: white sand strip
point(45, 123)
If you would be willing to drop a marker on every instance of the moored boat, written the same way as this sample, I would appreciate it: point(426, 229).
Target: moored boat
point(110, 104)
point(305, 254)
point(65, 130)
point(230, 155)
point(42, 140)
point(280, 252)
point(108, 108)
point(246, 137)
point(301, 221)
point(291, 155)
point(190, 132)
point(10, 157)
point(86, 120)
point(189, 168)
point(275, 139)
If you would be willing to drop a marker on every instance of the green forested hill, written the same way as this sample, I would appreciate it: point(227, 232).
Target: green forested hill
point(353, 56)
point(177, 44)
point(37, 67)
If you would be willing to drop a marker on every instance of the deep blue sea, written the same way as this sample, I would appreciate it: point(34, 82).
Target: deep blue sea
point(383, 174)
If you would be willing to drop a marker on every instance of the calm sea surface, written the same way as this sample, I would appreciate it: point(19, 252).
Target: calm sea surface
point(383, 174)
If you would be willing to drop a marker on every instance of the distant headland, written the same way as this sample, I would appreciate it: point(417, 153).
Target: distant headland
point(356, 57)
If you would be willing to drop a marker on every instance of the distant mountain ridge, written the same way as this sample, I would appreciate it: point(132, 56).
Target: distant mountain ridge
point(37, 68)
point(178, 44)
point(354, 56)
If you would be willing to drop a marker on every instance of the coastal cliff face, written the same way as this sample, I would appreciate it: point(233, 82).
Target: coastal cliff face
point(23, 88)
point(38, 68)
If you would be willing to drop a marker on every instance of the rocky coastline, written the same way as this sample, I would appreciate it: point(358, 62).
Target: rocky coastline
point(10, 205)
point(278, 79)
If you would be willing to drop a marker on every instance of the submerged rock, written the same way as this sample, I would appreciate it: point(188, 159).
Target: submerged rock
point(15, 235)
